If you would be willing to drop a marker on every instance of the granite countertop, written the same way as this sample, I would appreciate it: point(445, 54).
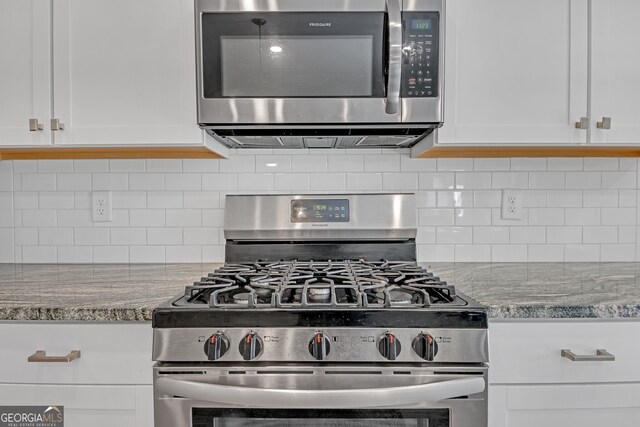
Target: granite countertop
point(131, 292)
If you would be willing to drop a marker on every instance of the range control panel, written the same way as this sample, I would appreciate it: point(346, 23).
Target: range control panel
point(320, 210)
point(420, 54)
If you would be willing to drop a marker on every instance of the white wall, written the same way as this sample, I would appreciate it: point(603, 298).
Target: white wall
point(172, 210)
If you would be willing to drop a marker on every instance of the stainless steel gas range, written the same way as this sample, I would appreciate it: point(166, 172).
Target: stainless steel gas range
point(320, 316)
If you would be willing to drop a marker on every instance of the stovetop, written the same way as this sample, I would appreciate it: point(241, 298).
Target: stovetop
point(316, 285)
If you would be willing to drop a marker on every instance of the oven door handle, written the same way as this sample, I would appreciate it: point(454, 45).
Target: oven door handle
point(350, 398)
point(395, 55)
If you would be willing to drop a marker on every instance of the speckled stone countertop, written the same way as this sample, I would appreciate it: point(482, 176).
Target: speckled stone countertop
point(131, 292)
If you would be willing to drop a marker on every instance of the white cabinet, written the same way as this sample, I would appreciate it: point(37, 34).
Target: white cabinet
point(124, 72)
point(516, 71)
point(616, 70)
point(25, 71)
point(531, 384)
point(110, 384)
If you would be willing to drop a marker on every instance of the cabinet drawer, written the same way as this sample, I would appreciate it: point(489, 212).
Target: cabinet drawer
point(529, 352)
point(114, 353)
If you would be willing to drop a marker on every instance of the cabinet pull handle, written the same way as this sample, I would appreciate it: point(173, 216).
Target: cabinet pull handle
point(583, 123)
point(34, 126)
point(600, 356)
point(604, 124)
point(41, 356)
point(56, 125)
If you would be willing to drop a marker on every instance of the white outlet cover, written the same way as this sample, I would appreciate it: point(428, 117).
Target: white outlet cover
point(511, 205)
point(101, 206)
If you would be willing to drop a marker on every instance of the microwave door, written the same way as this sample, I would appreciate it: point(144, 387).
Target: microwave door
point(299, 65)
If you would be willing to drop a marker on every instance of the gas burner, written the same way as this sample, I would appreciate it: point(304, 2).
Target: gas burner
point(346, 284)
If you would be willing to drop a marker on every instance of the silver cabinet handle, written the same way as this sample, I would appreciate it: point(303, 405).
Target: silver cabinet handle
point(41, 356)
point(34, 126)
point(56, 125)
point(583, 123)
point(349, 398)
point(395, 56)
point(600, 356)
point(604, 124)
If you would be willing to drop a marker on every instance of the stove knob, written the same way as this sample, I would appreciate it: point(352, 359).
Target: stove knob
point(250, 346)
point(319, 346)
point(216, 346)
point(425, 346)
point(389, 346)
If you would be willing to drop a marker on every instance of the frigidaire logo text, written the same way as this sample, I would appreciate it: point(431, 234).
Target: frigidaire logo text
point(319, 225)
point(319, 24)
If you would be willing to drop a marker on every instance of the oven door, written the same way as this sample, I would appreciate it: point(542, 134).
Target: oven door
point(348, 396)
point(298, 61)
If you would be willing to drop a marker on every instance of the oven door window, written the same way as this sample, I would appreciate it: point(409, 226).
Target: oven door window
point(209, 417)
point(293, 55)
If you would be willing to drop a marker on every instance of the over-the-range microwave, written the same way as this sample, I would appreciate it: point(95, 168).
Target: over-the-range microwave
point(320, 73)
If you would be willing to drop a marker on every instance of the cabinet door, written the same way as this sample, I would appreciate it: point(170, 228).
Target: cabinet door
point(25, 68)
point(565, 405)
point(515, 71)
point(96, 406)
point(124, 72)
point(616, 70)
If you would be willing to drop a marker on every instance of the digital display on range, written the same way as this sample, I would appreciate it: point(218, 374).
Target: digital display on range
point(320, 210)
point(421, 24)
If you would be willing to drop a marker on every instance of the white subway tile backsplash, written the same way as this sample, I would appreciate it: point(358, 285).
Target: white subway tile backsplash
point(405, 181)
point(201, 199)
point(473, 216)
point(546, 180)
point(601, 164)
point(273, 163)
point(292, 181)
point(201, 236)
point(255, 181)
point(600, 234)
point(98, 165)
point(408, 164)
point(491, 164)
point(110, 254)
point(346, 163)
point(510, 180)
point(163, 165)
point(147, 254)
point(39, 254)
point(73, 181)
point(628, 198)
point(564, 198)
point(450, 165)
point(435, 217)
point(165, 199)
point(490, 235)
point(610, 253)
point(582, 216)
point(472, 253)
point(212, 253)
point(128, 236)
point(487, 198)
point(75, 255)
point(147, 218)
point(55, 166)
point(213, 217)
point(436, 253)
point(110, 181)
point(534, 199)
point(164, 236)
point(454, 235)
point(56, 200)
point(628, 164)
point(25, 166)
point(55, 236)
point(119, 218)
point(309, 163)
point(146, 181)
point(600, 198)
point(184, 217)
point(528, 164)
point(508, 253)
point(627, 234)
point(618, 216)
point(364, 181)
point(582, 253)
point(91, 236)
point(39, 218)
point(82, 200)
point(127, 165)
point(565, 164)
point(328, 181)
point(24, 200)
point(546, 216)
point(455, 199)
point(473, 180)
point(381, 163)
point(25, 236)
point(584, 180)
point(519, 235)
point(220, 181)
point(545, 253)
point(564, 234)
point(183, 254)
point(75, 218)
point(128, 199)
point(436, 181)
point(183, 181)
point(625, 179)
point(238, 163)
point(426, 235)
point(38, 182)
point(426, 199)
point(201, 165)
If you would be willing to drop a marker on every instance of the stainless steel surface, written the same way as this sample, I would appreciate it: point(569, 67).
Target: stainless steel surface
point(56, 125)
point(583, 123)
point(600, 356)
point(271, 114)
point(206, 386)
point(604, 124)
point(289, 6)
point(373, 217)
point(40, 356)
point(333, 399)
point(351, 344)
point(395, 55)
point(34, 126)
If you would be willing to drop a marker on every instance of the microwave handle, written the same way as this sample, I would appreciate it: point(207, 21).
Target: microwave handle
point(333, 399)
point(395, 55)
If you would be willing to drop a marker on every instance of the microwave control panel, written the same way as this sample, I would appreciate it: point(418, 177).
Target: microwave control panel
point(420, 54)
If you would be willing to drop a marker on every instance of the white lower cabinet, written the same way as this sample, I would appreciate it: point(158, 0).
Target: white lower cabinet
point(531, 384)
point(110, 384)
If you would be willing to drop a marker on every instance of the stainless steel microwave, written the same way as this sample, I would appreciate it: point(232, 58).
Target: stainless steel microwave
point(320, 73)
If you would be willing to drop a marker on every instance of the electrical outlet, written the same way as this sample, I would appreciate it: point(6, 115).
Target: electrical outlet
point(101, 206)
point(511, 204)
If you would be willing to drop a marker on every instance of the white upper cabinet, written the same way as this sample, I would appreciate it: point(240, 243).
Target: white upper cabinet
point(615, 68)
point(25, 72)
point(516, 71)
point(124, 72)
